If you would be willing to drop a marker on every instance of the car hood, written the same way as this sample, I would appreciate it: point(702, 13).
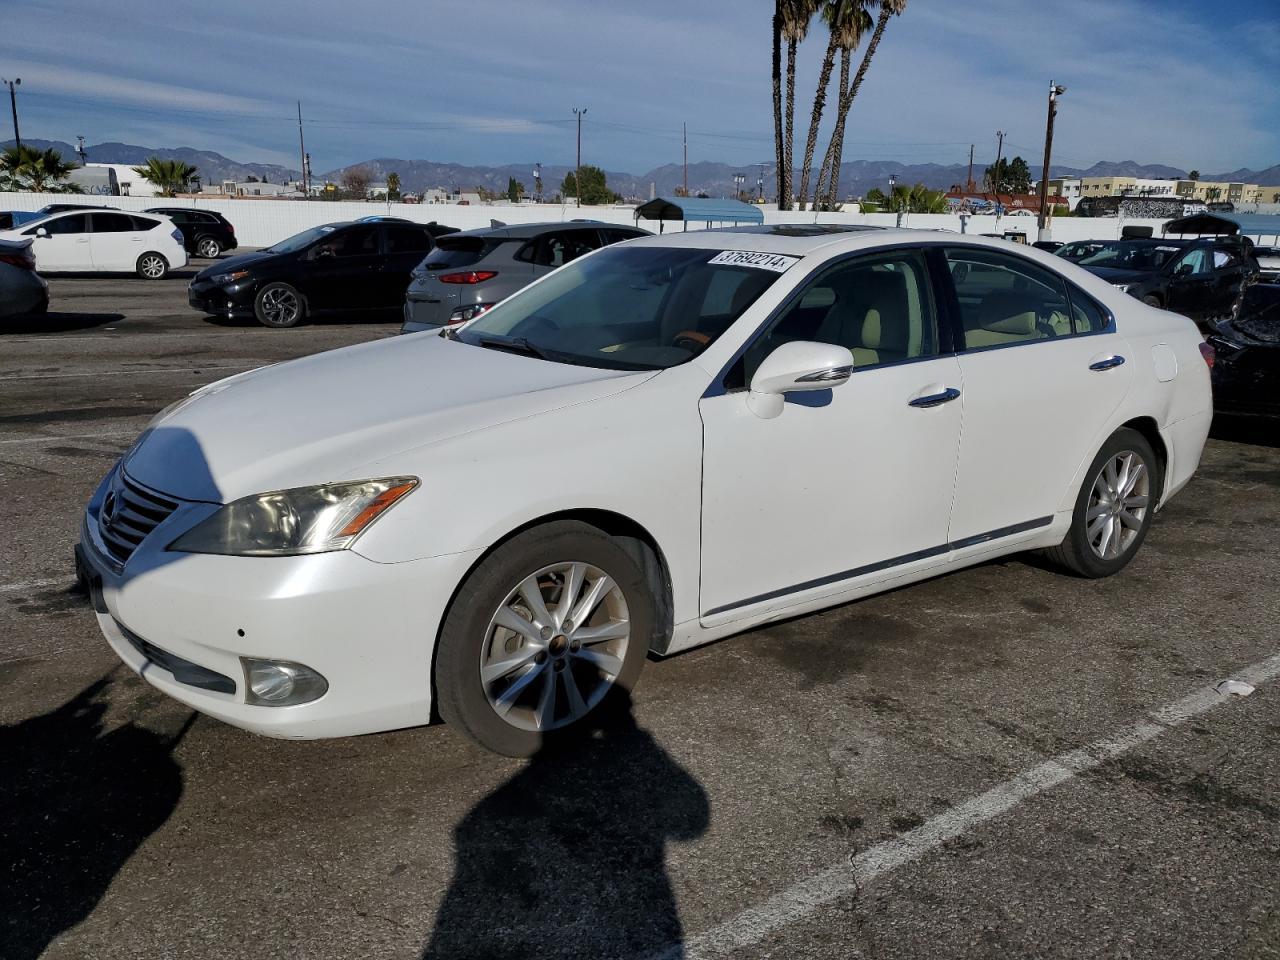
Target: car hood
point(325, 417)
point(238, 262)
point(1117, 275)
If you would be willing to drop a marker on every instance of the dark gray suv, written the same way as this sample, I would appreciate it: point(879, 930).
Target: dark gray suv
point(466, 273)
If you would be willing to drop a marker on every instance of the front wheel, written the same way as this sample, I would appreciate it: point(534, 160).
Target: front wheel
point(1151, 300)
point(1114, 508)
point(545, 630)
point(152, 266)
point(279, 305)
point(208, 247)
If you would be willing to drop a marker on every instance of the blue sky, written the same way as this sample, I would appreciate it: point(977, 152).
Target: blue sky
point(1179, 82)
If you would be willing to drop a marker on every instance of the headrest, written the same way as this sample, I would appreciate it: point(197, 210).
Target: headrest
point(1010, 311)
point(1022, 324)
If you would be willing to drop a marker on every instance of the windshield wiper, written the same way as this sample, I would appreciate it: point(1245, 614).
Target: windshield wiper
point(514, 345)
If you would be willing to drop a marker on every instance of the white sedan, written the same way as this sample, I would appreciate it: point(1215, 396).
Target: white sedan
point(667, 441)
point(104, 241)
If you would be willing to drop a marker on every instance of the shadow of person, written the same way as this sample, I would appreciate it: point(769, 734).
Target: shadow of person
point(567, 858)
point(75, 803)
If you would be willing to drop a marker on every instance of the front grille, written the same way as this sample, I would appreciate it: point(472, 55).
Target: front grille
point(129, 512)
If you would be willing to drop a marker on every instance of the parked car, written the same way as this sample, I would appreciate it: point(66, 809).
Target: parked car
point(339, 266)
point(664, 442)
point(22, 290)
point(1200, 279)
point(468, 272)
point(1077, 250)
point(10, 219)
point(104, 241)
point(1048, 246)
point(1268, 263)
point(1246, 374)
point(205, 233)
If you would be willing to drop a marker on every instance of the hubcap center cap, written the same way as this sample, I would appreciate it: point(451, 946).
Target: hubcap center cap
point(558, 645)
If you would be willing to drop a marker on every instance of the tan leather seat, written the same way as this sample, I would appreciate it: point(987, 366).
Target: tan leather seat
point(870, 317)
point(1008, 316)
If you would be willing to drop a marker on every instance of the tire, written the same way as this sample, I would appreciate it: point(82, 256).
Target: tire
point(208, 248)
point(279, 305)
point(152, 266)
point(1080, 551)
point(523, 665)
point(1151, 300)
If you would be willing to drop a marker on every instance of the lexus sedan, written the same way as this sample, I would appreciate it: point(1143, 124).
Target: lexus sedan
point(662, 443)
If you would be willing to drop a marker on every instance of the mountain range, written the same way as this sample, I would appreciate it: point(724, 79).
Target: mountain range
point(715, 179)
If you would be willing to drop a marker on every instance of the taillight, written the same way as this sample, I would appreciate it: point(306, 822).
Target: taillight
point(469, 277)
point(1209, 354)
point(18, 260)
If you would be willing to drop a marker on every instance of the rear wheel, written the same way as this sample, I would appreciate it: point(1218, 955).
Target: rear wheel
point(279, 305)
point(1114, 508)
point(547, 629)
point(152, 266)
point(1151, 300)
point(208, 247)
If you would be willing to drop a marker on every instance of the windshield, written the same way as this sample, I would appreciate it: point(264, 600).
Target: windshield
point(1131, 256)
point(300, 240)
point(630, 308)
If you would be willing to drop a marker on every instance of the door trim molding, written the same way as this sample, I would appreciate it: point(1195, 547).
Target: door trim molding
point(869, 568)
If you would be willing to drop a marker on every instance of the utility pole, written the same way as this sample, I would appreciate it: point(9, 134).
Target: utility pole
point(577, 176)
point(302, 154)
point(1055, 91)
point(995, 182)
point(13, 104)
point(685, 128)
point(84, 157)
point(968, 181)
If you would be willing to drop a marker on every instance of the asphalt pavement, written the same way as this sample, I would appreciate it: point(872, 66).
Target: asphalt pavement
point(1001, 762)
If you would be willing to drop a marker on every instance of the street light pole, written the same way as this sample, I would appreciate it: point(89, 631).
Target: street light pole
point(577, 176)
point(1055, 91)
point(13, 105)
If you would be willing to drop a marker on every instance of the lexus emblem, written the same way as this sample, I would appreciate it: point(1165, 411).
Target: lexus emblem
point(109, 510)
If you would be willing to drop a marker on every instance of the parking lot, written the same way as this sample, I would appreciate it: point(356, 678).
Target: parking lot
point(1000, 762)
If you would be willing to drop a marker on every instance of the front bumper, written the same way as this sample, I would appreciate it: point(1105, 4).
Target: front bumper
point(182, 621)
point(216, 301)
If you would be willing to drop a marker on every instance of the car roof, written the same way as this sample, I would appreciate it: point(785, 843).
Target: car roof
point(527, 231)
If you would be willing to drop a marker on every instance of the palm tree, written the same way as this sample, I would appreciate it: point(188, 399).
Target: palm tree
point(846, 21)
point(853, 22)
point(170, 176)
point(888, 8)
point(40, 171)
point(779, 155)
point(796, 16)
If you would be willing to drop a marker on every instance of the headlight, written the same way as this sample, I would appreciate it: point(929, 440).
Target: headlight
point(231, 277)
point(463, 314)
point(286, 523)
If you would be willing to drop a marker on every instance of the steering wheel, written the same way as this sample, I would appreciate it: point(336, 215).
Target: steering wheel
point(691, 340)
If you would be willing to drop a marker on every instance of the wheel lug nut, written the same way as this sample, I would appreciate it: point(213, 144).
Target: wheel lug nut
point(545, 632)
point(568, 626)
point(575, 646)
point(540, 657)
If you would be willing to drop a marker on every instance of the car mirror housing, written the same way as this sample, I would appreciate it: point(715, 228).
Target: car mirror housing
point(794, 367)
point(41, 232)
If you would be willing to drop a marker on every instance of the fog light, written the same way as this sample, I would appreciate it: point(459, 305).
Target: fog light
point(279, 683)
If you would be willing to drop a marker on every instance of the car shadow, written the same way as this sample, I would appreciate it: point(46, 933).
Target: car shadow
point(321, 318)
point(56, 321)
point(1259, 431)
point(568, 857)
point(77, 801)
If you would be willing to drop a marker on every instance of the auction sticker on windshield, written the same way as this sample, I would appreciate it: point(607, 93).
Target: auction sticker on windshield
point(761, 261)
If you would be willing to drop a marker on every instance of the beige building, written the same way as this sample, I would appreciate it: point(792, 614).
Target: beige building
point(1206, 190)
point(1218, 190)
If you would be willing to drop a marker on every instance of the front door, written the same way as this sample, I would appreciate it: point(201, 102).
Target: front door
point(117, 240)
point(1043, 369)
point(64, 244)
point(343, 270)
point(846, 486)
point(405, 247)
point(1191, 289)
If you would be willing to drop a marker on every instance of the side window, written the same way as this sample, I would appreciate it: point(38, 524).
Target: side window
point(180, 217)
point(1086, 315)
point(357, 242)
point(1196, 262)
point(1005, 300)
point(1225, 259)
point(407, 240)
point(879, 307)
point(613, 235)
point(145, 223)
point(557, 249)
point(75, 223)
point(112, 223)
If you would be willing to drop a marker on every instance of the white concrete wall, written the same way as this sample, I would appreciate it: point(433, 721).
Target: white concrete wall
point(260, 223)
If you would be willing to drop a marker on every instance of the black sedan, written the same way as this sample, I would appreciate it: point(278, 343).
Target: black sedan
point(338, 266)
point(1200, 279)
point(1246, 372)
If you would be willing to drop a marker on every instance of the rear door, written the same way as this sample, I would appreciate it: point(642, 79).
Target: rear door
point(1043, 369)
point(404, 247)
point(1191, 286)
point(117, 240)
point(343, 270)
point(64, 244)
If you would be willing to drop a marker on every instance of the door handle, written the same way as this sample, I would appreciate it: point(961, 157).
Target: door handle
point(935, 399)
point(1106, 363)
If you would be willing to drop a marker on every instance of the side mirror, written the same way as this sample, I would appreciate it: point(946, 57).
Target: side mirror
point(794, 367)
point(41, 232)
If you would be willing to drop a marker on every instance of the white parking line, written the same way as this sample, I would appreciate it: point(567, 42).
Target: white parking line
point(804, 898)
point(49, 438)
point(35, 584)
point(122, 373)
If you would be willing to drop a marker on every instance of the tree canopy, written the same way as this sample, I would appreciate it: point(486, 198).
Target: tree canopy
point(40, 171)
point(1008, 176)
point(595, 188)
point(169, 176)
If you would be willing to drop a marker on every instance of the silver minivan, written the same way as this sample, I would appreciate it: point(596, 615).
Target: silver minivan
point(467, 273)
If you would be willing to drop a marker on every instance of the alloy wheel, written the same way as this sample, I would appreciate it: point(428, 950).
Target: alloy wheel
point(208, 248)
point(279, 306)
point(1118, 505)
point(555, 646)
point(152, 266)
